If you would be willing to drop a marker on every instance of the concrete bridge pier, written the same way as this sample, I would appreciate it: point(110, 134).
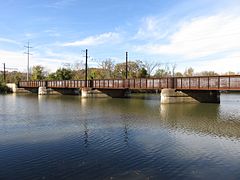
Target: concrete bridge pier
point(169, 96)
point(105, 93)
point(42, 91)
point(61, 91)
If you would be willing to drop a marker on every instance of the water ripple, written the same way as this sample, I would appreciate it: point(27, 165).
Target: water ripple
point(71, 138)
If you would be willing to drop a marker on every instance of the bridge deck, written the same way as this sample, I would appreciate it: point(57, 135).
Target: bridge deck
point(181, 83)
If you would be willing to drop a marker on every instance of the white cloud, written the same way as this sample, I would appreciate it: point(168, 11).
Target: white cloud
point(152, 28)
point(52, 33)
point(60, 4)
point(230, 62)
point(5, 40)
point(15, 59)
point(109, 37)
point(200, 37)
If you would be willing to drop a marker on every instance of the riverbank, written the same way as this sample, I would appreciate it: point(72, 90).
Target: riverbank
point(4, 89)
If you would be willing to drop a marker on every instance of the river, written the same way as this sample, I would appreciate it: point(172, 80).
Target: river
point(66, 137)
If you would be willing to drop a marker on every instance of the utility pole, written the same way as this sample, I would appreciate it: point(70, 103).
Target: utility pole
point(4, 72)
point(86, 66)
point(126, 65)
point(28, 54)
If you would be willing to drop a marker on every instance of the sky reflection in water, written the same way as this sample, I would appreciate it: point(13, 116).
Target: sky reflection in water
point(69, 137)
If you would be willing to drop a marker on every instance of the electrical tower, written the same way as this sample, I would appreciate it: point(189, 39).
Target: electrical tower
point(86, 66)
point(28, 54)
point(4, 72)
point(126, 65)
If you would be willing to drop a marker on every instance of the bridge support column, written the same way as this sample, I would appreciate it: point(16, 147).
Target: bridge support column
point(169, 96)
point(60, 91)
point(42, 91)
point(104, 93)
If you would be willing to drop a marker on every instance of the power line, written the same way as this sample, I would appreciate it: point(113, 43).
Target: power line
point(4, 72)
point(86, 65)
point(28, 54)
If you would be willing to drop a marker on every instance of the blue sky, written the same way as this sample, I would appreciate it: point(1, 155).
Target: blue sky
point(203, 34)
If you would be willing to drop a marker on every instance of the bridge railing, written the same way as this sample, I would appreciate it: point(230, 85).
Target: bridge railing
point(30, 84)
point(208, 83)
point(143, 83)
point(67, 84)
point(54, 84)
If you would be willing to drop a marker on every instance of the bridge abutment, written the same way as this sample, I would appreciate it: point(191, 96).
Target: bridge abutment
point(15, 89)
point(169, 96)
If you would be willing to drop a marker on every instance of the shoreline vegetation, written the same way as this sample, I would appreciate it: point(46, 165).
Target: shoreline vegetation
point(4, 89)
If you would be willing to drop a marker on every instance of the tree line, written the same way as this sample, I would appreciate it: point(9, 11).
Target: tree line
point(106, 69)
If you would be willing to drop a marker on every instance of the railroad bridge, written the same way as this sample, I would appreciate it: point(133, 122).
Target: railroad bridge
point(173, 89)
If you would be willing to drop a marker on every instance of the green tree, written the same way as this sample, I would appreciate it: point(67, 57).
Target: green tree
point(96, 73)
point(78, 74)
point(51, 76)
point(38, 72)
point(63, 74)
point(133, 70)
point(162, 73)
point(178, 74)
point(143, 73)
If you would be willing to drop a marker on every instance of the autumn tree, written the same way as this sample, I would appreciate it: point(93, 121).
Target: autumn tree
point(207, 73)
point(173, 67)
point(162, 73)
point(133, 70)
point(230, 73)
point(189, 72)
point(78, 74)
point(151, 65)
point(178, 74)
point(107, 68)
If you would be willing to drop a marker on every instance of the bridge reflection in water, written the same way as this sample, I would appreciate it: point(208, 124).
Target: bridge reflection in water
point(206, 119)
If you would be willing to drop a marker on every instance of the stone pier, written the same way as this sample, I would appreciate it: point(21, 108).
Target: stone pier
point(169, 96)
point(104, 93)
point(60, 91)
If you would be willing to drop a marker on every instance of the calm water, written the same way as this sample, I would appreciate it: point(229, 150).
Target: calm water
point(66, 137)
